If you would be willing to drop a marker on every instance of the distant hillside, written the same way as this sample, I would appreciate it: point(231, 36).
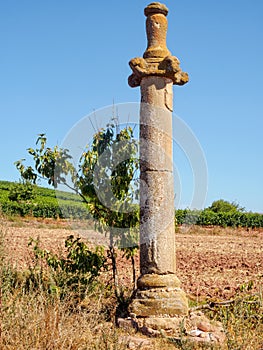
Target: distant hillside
point(50, 203)
point(46, 202)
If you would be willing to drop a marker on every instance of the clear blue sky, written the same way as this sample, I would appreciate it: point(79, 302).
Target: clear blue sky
point(60, 60)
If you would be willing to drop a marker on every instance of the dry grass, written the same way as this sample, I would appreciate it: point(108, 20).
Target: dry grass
point(35, 322)
point(38, 320)
point(35, 319)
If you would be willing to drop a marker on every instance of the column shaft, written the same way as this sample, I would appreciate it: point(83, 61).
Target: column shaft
point(157, 231)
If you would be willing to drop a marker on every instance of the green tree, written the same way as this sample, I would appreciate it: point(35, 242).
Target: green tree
point(105, 180)
point(223, 206)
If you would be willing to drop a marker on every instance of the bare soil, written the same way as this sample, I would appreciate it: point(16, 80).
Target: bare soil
point(211, 262)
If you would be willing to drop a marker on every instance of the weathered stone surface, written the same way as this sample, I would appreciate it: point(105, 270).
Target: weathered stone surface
point(159, 292)
point(157, 239)
point(156, 104)
point(163, 323)
point(156, 7)
point(150, 281)
point(201, 322)
point(204, 326)
point(202, 329)
point(149, 332)
point(179, 325)
point(157, 59)
point(169, 67)
point(157, 243)
point(156, 28)
point(176, 327)
point(162, 161)
point(163, 304)
point(126, 323)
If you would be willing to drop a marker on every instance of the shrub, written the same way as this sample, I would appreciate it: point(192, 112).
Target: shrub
point(24, 191)
point(222, 206)
point(76, 273)
point(208, 217)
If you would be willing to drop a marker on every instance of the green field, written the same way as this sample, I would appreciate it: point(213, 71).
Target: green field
point(47, 203)
point(50, 203)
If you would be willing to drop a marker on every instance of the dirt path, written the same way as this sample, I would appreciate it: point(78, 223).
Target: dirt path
point(211, 262)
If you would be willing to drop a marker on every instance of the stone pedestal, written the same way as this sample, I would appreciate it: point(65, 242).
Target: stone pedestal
point(159, 296)
point(159, 293)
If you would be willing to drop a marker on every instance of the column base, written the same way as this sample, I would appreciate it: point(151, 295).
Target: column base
point(194, 328)
point(159, 296)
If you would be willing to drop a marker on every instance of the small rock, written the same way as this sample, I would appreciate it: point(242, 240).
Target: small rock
point(205, 336)
point(199, 340)
point(195, 333)
point(149, 332)
point(204, 326)
point(213, 337)
point(127, 323)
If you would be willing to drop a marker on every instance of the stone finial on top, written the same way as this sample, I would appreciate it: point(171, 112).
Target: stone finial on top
point(154, 8)
point(156, 28)
point(157, 59)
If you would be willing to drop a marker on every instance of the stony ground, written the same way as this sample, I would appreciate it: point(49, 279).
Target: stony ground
point(211, 262)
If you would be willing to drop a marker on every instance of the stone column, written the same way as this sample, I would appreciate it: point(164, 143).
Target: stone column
point(158, 292)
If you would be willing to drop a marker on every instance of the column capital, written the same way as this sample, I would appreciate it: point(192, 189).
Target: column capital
point(169, 67)
point(157, 59)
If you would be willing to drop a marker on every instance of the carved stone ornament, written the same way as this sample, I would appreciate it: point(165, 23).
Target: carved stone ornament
point(157, 59)
point(169, 67)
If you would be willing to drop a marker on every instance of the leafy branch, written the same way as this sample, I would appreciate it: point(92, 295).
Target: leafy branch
point(105, 180)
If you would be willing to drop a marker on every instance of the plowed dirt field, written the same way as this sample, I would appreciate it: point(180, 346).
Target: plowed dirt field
point(211, 262)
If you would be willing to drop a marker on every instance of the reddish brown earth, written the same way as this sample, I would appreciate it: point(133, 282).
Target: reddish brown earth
point(211, 262)
point(216, 262)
